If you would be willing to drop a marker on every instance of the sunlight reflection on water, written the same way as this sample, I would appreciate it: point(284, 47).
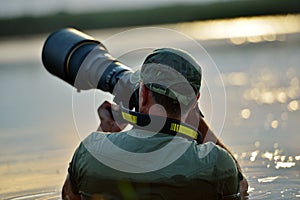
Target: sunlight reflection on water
point(267, 87)
point(271, 174)
point(245, 29)
point(46, 195)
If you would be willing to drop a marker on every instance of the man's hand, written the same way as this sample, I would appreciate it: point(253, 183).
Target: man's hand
point(107, 122)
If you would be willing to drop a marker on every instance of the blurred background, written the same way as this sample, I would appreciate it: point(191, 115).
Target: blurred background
point(255, 45)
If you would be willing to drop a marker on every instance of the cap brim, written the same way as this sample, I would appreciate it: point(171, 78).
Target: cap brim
point(135, 77)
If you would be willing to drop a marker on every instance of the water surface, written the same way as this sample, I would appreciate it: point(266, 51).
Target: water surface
point(38, 134)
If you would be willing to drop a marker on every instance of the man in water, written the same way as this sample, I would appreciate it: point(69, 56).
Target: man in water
point(163, 156)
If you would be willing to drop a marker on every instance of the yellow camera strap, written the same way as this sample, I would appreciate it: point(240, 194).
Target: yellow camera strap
point(171, 127)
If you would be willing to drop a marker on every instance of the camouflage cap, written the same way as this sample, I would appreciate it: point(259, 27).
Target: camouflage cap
point(165, 68)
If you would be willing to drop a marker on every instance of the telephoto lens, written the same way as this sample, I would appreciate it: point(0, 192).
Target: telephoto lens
point(85, 63)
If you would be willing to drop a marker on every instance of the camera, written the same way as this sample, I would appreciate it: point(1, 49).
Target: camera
point(85, 63)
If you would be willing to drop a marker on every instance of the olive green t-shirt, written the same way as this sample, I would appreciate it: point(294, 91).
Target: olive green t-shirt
point(139, 164)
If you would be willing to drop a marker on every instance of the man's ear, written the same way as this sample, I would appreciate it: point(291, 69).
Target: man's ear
point(144, 98)
point(145, 95)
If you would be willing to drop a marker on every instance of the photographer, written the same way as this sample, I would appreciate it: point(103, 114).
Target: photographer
point(122, 165)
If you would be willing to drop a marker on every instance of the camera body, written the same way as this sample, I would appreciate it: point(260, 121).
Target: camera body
point(85, 63)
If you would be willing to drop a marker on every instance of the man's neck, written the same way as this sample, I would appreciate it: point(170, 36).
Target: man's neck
point(159, 110)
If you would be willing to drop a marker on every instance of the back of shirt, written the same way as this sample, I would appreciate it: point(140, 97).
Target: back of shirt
point(139, 164)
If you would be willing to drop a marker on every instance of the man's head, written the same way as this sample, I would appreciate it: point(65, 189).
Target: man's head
point(172, 77)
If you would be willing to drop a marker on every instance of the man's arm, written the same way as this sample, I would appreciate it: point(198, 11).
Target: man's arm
point(67, 193)
point(196, 120)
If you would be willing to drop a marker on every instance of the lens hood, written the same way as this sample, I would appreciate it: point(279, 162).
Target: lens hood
point(60, 46)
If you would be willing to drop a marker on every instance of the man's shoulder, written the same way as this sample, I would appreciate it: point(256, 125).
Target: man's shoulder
point(214, 149)
point(101, 142)
point(95, 136)
point(224, 163)
point(224, 157)
point(98, 137)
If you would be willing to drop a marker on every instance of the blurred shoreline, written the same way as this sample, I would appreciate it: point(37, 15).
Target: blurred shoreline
point(30, 24)
point(270, 29)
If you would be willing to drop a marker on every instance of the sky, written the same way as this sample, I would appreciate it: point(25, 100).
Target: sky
point(13, 8)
